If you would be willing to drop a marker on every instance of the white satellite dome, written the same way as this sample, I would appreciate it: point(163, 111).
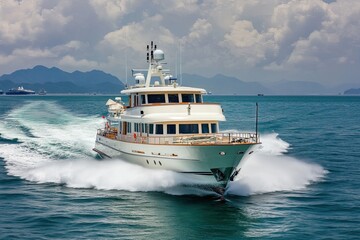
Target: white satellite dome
point(139, 78)
point(159, 55)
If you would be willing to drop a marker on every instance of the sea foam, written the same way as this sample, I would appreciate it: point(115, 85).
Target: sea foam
point(269, 169)
point(60, 152)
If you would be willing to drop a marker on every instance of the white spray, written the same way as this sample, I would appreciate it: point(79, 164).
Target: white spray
point(62, 154)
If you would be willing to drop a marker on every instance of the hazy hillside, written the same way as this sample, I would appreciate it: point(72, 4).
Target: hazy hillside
point(55, 80)
point(221, 84)
point(298, 88)
point(352, 91)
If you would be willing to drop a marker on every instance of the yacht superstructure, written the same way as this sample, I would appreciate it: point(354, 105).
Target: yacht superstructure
point(168, 126)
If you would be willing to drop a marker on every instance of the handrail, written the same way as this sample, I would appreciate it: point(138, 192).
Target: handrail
point(185, 139)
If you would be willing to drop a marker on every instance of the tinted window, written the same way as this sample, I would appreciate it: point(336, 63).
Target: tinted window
point(188, 128)
point(213, 128)
point(205, 128)
point(198, 98)
point(144, 128)
point(151, 128)
point(187, 97)
point(171, 129)
point(173, 98)
point(156, 98)
point(142, 99)
point(159, 129)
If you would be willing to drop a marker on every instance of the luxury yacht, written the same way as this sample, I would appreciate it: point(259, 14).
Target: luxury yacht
point(168, 126)
point(19, 91)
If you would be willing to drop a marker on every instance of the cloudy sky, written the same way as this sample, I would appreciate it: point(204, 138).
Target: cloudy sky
point(257, 40)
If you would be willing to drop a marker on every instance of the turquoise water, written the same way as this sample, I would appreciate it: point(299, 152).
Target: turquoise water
point(303, 182)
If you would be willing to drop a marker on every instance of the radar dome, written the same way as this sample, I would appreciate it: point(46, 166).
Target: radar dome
point(139, 78)
point(159, 55)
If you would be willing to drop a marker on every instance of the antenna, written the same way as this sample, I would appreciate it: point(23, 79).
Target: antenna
point(150, 52)
point(257, 121)
point(180, 68)
point(126, 58)
point(177, 63)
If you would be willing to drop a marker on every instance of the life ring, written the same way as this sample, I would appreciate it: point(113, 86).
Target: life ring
point(134, 135)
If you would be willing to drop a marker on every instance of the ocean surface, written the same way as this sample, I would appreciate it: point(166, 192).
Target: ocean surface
point(303, 182)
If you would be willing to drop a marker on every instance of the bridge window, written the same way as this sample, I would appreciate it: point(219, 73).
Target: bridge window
point(171, 129)
point(187, 97)
point(156, 98)
point(136, 97)
point(136, 127)
point(143, 101)
point(173, 98)
point(159, 129)
point(151, 128)
point(188, 128)
point(198, 98)
point(120, 127)
point(144, 128)
point(205, 128)
point(213, 128)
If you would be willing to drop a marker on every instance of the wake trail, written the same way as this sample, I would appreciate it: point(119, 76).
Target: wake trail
point(58, 150)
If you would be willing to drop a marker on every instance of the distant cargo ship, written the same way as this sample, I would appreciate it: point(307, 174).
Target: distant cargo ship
point(19, 91)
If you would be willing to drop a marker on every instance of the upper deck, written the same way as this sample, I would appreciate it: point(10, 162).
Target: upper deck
point(163, 89)
point(157, 79)
point(174, 112)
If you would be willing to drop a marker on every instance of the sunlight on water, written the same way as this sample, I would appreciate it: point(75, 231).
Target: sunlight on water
point(56, 148)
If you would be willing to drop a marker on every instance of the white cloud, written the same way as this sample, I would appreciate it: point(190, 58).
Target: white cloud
point(72, 46)
point(179, 7)
point(112, 9)
point(69, 62)
point(33, 53)
point(321, 36)
point(6, 59)
point(249, 39)
point(26, 20)
point(137, 35)
point(247, 42)
point(199, 31)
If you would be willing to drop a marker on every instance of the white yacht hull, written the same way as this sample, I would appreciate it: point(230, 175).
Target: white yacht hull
point(213, 164)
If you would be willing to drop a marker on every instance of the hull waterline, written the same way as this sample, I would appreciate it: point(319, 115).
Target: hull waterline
point(212, 165)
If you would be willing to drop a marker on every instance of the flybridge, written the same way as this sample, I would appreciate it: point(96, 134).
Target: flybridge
point(154, 57)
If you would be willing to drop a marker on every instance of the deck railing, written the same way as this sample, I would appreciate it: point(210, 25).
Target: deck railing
point(186, 139)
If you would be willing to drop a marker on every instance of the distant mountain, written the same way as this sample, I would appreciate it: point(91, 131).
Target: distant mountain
point(298, 88)
point(352, 91)
point(55, 80)
point(224, 85)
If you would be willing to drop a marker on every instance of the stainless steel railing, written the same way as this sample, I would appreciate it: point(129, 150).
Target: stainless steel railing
point(185, 139)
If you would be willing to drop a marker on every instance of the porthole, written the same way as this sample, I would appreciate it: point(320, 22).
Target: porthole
point(251, 152)
point(160, 163)
point(240, 152)
point(222, 153)
point(154, 162)
point(147, 161)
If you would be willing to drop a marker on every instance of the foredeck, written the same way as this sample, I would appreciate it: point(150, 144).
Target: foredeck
point(188, 139)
